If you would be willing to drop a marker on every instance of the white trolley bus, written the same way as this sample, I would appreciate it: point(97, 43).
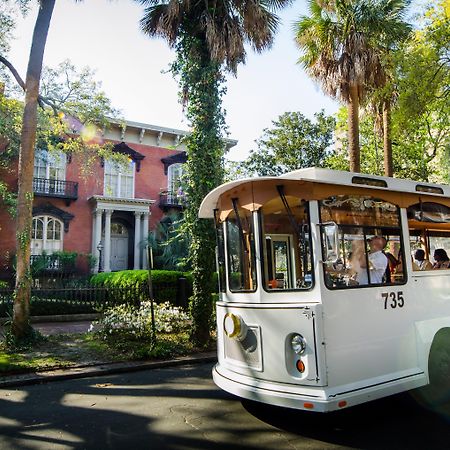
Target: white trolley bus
point(306, 319)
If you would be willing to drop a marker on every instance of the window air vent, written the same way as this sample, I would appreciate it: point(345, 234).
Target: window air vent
point(369, 181)
point(429, 189)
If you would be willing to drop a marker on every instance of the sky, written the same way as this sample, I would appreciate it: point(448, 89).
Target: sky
point(105, 35)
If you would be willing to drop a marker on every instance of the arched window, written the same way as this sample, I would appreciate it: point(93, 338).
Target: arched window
point(174, 174)
point(46, 235)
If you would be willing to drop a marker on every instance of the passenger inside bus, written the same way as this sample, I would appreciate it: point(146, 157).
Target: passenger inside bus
point(378, 262)
point(441, 259)
point(368, 233)
point(421, 262)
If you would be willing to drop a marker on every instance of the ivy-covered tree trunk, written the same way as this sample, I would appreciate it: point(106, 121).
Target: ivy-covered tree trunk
point(21, 324)
point(200, 81)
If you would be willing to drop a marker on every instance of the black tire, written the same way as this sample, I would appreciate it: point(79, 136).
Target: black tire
point(438, 391)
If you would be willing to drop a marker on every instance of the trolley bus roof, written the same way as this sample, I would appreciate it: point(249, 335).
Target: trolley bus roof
point(313, 175)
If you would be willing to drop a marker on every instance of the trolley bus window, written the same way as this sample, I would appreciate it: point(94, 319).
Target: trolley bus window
point(429, 230)
point(286, 244)
point(220, 252)
point(369, 238)
point(241, 252)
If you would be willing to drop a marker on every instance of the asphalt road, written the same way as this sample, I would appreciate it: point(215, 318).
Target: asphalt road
point(180, 408)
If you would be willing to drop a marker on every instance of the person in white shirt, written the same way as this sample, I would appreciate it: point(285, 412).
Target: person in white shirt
point(377, 262)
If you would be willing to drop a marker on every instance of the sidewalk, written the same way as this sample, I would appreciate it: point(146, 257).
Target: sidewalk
point(50, 325)
point(101, 369)
point(82, 326)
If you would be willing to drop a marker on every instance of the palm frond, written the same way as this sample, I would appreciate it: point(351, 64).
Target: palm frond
point(225, 25)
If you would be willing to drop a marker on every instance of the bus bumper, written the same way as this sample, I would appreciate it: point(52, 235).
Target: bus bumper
point(303, 397)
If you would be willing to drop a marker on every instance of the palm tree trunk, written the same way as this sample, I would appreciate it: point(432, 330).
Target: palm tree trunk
point(26, 164)
point(387, 142)
point(353, 130)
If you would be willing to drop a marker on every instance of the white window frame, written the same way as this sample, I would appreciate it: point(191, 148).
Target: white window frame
point(174, 176)
point(44, 247)
point(111, 168)
point(51, 167)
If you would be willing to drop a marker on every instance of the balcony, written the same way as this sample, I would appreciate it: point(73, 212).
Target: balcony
point(46, 187)
point(169, 200)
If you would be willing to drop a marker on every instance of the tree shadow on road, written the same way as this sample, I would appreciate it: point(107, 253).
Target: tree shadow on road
point(176, 408)
point(396, 422)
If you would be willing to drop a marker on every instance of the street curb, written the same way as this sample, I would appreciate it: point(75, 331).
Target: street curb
point(101, 369)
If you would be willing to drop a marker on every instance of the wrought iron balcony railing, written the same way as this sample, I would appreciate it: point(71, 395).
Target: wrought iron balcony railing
point(168, 199)
point(46, 187)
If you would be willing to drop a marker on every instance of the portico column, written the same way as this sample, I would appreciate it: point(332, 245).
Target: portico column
point(107, 243)
point(97, 236)
point(137, 239)
point(94, 227)
point(144, 238)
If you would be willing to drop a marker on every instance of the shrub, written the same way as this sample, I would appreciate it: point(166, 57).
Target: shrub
point(131, 322)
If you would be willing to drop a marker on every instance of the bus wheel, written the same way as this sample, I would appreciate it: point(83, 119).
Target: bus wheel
point(438, 391)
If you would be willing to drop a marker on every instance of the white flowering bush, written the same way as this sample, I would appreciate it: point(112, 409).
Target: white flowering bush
point(136, 322)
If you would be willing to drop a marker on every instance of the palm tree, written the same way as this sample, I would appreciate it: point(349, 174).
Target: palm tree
point(209, 39)
point(343, 43)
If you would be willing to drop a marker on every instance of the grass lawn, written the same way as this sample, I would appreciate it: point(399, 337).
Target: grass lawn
point(72, 350)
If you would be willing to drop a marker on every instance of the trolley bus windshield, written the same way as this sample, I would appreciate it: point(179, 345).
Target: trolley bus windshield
point(286, 243)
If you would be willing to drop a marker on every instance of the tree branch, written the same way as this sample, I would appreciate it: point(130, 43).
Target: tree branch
point(13, 71)
point(41, 100)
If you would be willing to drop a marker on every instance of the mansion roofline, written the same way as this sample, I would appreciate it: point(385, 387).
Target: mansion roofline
point(158, 133)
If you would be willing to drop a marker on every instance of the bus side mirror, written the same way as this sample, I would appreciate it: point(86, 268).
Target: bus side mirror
point(330, 235)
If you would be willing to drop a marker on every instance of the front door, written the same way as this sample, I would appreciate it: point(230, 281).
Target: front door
point(119, 247)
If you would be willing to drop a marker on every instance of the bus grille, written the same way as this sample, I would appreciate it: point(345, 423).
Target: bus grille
point(246, 353)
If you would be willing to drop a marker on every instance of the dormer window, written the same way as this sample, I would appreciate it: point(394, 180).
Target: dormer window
point(119, 180)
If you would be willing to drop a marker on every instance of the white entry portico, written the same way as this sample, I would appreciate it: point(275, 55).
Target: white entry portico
point(103, 210)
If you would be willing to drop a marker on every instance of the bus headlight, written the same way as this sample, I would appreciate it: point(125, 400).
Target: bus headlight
point(298, 344)
point(234, 327)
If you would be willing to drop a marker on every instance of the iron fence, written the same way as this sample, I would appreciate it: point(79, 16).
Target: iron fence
point(73, 300)
point(91, 299)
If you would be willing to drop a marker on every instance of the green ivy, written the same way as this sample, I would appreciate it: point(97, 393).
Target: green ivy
point(202, 87)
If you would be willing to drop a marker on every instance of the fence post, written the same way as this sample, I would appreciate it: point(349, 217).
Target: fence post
point(150, 291)
point(182, 292)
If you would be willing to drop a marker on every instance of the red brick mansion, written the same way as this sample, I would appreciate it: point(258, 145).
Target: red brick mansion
point(113, 206)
